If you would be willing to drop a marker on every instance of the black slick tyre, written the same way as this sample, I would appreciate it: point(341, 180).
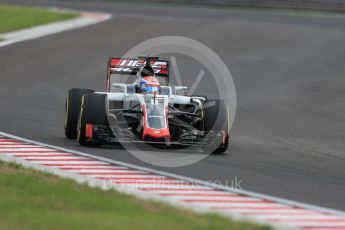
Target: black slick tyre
point(216, 121)
point(72, 107)
point(92, 113)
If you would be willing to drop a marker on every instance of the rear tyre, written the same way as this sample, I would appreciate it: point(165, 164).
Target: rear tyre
point(72, 108)
point(92, 113)
point(216, 120)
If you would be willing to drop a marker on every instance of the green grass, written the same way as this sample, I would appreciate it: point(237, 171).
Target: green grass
point(34, 200)
point(17, 17)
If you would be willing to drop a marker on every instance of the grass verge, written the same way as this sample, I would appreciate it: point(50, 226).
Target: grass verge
point(17, 17)
point(34, 200)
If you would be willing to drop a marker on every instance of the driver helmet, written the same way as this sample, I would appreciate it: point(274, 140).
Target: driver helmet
point(150, 84)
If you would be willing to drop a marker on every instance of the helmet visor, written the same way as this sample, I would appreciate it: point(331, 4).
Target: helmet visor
point(150, 89)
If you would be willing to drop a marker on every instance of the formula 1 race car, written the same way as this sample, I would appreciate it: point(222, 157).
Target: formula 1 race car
point(147, 111)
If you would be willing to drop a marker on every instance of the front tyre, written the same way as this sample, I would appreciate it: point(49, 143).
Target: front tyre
point(72, 108)
point(92, 114)
point(216, 123)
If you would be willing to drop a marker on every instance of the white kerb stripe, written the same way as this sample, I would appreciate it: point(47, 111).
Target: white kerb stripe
point(298, 216)
point(26, 154)
point(88, 167)
point(215, 198)
point(234, 204)
point(314, 224)
point(77, 158)
point(26, 150)
point(69, 162)
point(16, 146)
point(95, 171)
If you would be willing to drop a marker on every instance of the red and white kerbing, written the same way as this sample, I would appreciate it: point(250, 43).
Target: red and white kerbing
point(180, 191)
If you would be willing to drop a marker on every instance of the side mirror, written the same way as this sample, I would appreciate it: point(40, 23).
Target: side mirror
point(181, 90)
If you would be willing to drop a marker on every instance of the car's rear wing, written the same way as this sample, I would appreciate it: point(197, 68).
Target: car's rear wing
point(129, 66)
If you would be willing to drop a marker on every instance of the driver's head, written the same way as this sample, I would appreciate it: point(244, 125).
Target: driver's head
point(150, 84)
point(147, 71)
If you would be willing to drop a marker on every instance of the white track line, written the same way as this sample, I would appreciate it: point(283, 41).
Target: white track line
point(180, 191)
point(85, 19)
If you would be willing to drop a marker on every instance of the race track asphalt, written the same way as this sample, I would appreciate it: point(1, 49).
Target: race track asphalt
point(288, 139)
